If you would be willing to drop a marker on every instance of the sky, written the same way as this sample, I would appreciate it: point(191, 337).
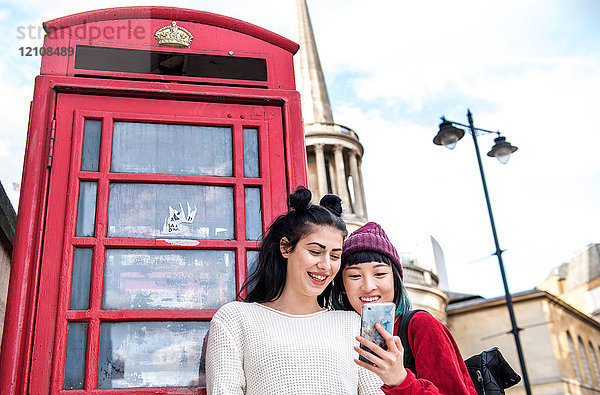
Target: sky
point(529, 68)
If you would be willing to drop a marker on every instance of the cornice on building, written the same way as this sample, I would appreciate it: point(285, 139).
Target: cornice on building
point(520, 297)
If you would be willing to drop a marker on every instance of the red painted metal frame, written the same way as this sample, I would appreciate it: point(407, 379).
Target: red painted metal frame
point(212, 34)
point(23, 295)
point(177, 14)
point(52, 288)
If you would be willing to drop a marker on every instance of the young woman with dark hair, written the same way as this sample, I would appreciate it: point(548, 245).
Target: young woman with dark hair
point(371, 272)
point(281, 339)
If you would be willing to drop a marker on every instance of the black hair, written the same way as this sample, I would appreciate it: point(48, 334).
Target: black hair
point(267, 281)
point(337, 298)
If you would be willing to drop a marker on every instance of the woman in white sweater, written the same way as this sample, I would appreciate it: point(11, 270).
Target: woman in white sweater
point(281, 340)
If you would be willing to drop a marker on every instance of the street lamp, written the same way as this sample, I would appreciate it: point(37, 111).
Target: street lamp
point(448, 136)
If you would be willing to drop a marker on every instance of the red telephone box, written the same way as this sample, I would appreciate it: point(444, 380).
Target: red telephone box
point(161, 143)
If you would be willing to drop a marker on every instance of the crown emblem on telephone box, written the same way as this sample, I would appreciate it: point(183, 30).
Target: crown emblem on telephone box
point(173, 36)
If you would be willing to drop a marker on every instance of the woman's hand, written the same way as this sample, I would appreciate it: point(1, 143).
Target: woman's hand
point(389, 364)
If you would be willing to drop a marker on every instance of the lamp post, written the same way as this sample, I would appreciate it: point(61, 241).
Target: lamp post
point(448, 136)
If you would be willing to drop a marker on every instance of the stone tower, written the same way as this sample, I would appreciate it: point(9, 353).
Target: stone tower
point(333, 151)
point(334, 155)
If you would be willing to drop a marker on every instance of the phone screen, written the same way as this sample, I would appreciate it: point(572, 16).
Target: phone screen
point(372, 313)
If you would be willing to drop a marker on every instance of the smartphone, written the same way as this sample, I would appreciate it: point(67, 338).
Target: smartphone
point(372, 313)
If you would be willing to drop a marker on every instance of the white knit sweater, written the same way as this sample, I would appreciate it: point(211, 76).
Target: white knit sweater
point(256, 350)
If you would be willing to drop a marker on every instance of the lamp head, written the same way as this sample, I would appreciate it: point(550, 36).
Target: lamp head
point(448, 134)
point(502, 149)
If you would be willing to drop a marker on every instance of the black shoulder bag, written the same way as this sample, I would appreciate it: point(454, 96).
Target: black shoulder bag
point(489, 371)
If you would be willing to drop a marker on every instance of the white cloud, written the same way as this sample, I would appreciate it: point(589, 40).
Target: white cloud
point(530, 69)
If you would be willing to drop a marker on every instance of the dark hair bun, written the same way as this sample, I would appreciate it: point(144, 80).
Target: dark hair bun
point(332, 203)
point(300, 199)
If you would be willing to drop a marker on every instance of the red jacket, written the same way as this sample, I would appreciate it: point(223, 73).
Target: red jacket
point(440, 368)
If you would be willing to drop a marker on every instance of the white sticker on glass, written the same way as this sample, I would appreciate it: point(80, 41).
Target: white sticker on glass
point(174, 222)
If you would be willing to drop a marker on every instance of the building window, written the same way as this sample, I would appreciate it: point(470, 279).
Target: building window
point(595, 363)
point(586, 366)
point(573, 356)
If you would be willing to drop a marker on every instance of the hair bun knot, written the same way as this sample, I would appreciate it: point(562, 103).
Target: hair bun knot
point(332, 203)
point(300, 199)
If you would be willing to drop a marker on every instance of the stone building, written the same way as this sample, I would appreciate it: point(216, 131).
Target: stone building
point(578, 281)
point(561, 344)
point(8, 221)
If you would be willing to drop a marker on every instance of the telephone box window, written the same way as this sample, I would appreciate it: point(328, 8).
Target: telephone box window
point(170, 63)
point(154, 148)
point(251, 263)
point(167, 165)
point(86, 209)
point(253, 214)
point(168, 279)
point(173, 211)
point(92, 132)
point(75, 356)
point(251, 165)
point(81, 277)
point(150, 354)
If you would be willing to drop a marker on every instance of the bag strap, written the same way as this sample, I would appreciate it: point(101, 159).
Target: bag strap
point(409, 358)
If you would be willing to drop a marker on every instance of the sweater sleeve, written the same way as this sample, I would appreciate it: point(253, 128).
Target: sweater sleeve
point(440, 368)
point(224, 362)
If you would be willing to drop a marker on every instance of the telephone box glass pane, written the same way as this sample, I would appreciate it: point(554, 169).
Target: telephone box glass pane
point(150, 354)
point(75, 355)
point(253, 214)
point(251, 167)
point(81, 277)
point(86, 208)
point(170, 211)
point(156, 148)
point(168, 279)
point(251, 263)
point(91, 144)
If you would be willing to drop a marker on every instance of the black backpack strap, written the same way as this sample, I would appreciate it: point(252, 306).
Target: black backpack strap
point(409, 358)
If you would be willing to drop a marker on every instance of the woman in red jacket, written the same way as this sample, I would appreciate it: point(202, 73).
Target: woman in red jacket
point(371, 272)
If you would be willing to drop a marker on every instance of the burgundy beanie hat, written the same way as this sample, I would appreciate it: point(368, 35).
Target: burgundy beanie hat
point(371, 237)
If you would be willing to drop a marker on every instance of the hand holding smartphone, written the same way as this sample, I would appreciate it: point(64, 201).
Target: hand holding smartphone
point(372, 313)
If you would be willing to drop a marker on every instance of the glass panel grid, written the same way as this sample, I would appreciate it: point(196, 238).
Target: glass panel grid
point(168, 279)
point(90, 154)
point(253, 213)
point(251, 264)
point(155, 148)
point(170, 211)
point(81, 278)
point(75, 355)
point(151, 354)
point(86, 209)
point(251, 158)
